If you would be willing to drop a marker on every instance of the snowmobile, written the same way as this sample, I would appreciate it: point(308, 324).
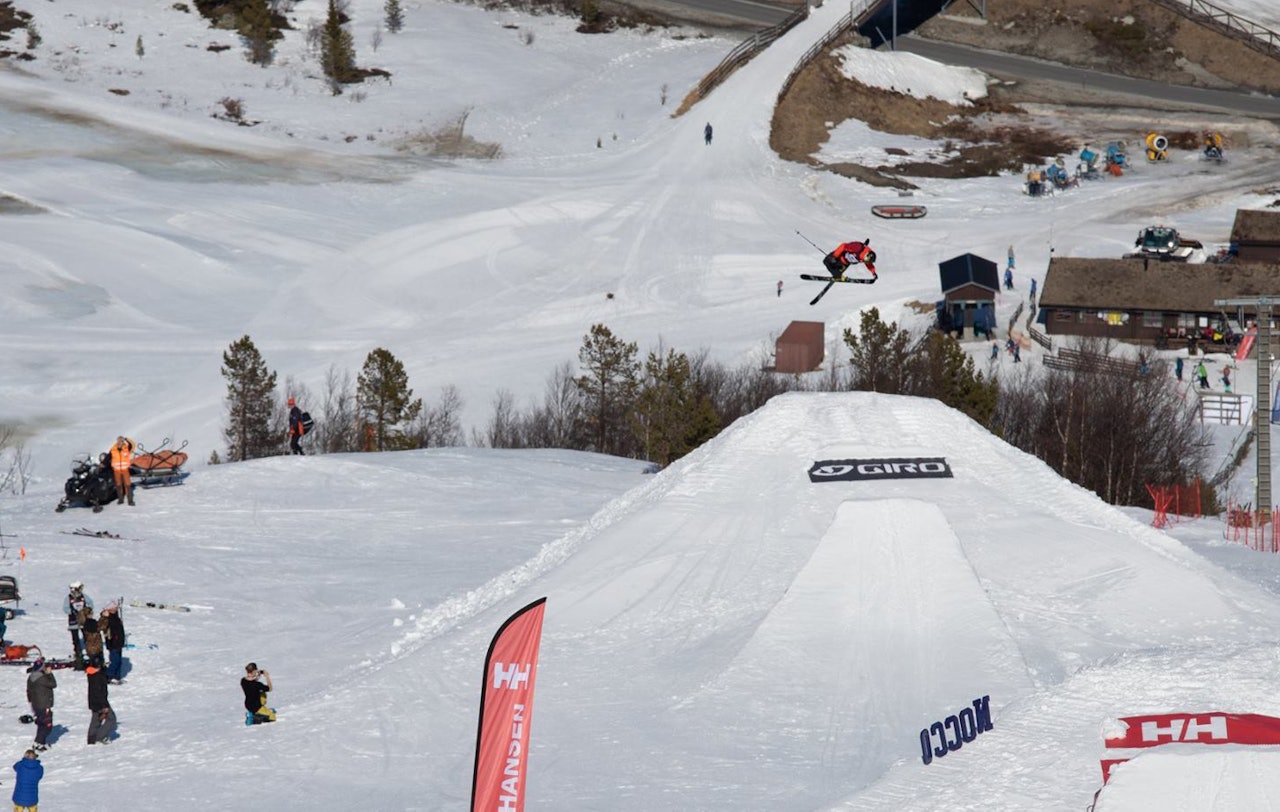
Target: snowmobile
point(91, 484)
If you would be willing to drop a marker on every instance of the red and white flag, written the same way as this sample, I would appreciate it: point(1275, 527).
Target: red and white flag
point(1214, 727)
point(506, 708)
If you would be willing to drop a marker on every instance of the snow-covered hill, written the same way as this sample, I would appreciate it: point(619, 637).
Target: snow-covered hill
point(723, 633)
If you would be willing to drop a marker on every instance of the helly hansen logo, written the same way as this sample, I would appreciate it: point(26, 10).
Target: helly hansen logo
point(511, 676)
point(897, 468)
point(1190, 729)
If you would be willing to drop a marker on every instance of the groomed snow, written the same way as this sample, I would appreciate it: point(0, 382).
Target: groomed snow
point(725, 633)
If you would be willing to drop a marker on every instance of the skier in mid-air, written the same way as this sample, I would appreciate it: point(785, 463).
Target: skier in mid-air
point(845, 256)
point(850, 253)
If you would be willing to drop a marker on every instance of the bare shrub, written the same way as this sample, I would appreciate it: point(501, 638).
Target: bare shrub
point(232, 109)
point(449, 141)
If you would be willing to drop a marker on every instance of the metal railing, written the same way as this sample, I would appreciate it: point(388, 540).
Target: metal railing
point(1256, 36)
point(746, 49)
point(858, 9)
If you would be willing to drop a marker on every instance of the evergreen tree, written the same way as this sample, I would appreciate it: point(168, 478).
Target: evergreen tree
point(671, 418)
point(608, 386)
point(879, 354)
point(385, 403)
point(942, 369)
point(256, 28)
point(250, 403)
point(337, 50)
point(393, 15)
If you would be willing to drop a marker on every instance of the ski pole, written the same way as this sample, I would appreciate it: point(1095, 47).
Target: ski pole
point(811, 242)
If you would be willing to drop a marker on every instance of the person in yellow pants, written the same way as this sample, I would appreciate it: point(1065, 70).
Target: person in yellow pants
point(255, 695)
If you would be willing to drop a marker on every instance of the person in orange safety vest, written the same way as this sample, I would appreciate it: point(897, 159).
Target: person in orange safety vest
point(121, 459)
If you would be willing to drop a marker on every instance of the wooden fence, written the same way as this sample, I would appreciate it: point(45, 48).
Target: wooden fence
point(1070, 359)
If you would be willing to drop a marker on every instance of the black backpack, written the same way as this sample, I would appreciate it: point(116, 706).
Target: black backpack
point(307, 423)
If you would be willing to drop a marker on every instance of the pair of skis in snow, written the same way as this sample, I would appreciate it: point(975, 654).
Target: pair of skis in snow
point(172, 607)
point(96, 534)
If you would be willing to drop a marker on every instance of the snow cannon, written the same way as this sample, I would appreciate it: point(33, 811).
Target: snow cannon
point(1035, 185)
point(1088, 166)
point(1117, 160)
point(1213, 146)
point(1057, 175)
point(1157, 147)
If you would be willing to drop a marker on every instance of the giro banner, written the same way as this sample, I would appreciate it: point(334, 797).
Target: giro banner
point(506, 707)
point(894, 468)
point(1133, 732)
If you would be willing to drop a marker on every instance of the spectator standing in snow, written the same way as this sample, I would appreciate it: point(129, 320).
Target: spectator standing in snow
point(779, 287)
point(706, 133)
point(77, 607)
point(1203, 375)
point(1010, 265)
point(92, 642)
point(255, 694)
point(102, 719)
point(1033, 293)
point(1008, 278)
point(121, 459)
point(40, 685)
point(26, 789)
point(995, 351)
point(295, 428)
point(1177, 368)
point(1017, 353)
point(114, 639)
point(1226, 379)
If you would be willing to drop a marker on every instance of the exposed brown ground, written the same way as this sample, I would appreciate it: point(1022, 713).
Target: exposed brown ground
point(1019, 125)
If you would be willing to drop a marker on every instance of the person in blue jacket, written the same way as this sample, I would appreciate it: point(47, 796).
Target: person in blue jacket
point(26, 790)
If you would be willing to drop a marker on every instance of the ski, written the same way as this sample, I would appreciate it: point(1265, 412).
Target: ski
point(822, 292)
point(54, 664)
point(96, 534)
point(833, 279)
point(142, 646)
point(172, 607)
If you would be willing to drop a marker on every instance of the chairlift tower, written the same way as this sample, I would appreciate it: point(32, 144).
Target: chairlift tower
point(1262, 414)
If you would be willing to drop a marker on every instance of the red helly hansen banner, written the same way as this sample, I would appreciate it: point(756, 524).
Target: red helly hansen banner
point(1205, 728)
point(506, 706)
point(1191, 728)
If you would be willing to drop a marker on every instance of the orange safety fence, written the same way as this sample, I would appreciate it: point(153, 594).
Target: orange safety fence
point(1174, 501)
point(1254, 529)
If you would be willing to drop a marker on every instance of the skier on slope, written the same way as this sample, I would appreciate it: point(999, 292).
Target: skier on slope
point(850, 253)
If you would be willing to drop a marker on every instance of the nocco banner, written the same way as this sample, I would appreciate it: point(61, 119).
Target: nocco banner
point(1188, 728)
point(506, 706)
point(895, 468)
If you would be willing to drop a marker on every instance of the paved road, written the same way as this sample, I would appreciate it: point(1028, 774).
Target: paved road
point(750, 15)
point(1009, 66)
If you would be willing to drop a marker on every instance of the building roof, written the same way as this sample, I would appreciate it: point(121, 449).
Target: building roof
point(968, 269)
point(802, 331)
point(1254, 226)
point(1171, 287)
